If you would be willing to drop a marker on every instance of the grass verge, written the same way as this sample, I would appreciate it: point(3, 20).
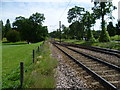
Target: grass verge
point(41, 74)
point(111, 45)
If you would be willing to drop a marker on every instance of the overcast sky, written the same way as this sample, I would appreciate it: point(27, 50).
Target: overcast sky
point(53, 10)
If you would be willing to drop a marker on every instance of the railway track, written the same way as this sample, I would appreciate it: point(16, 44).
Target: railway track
point(107, 74)
point(97, 49)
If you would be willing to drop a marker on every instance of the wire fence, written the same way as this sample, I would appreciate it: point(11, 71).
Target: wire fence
point(15, 79)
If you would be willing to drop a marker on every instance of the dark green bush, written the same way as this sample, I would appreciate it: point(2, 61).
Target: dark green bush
point(13, 36)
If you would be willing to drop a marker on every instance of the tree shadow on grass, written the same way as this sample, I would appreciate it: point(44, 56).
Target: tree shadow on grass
point(14, 43)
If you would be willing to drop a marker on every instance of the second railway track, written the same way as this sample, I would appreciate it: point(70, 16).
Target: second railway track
point(108, 75)
point(97, 49)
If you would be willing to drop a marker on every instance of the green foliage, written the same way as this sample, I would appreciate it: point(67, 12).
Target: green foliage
point(75, 14)
point(101, 9)
point(115, 38)
point(96, 33)
point(42, 72)
point(7, 28)
point(65, 32)
point(104, 36)
point(88, 20)
point(13, 36)
point(118, 28)
point(111, 29)
point(31, 30)
point(76, 30)
point(110, 45)
point(90, 36)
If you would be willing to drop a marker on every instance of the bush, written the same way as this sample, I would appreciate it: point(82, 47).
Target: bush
point(90, 36)
point(13, 36)
point(104, 36)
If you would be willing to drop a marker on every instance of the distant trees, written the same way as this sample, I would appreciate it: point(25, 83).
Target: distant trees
point(75, 15)
point(31, 29)
point(111, 29)
point(13, 36)
point(7, 28)
point(118, 28)
point(26, 29)
point(88, 20)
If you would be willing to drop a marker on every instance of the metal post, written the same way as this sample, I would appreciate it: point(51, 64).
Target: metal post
point(60, 30)
point(33, 55)
point(21, 74)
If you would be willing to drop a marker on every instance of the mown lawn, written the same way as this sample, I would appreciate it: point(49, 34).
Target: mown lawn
point(12, 55)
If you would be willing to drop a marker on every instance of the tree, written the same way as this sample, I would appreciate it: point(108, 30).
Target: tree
point(111, 29)
point(13, 36)
point(101, 9)
point(7, 27)
point(118, 28)
point(88, 20)
point(76, 30)
point(75, 14)
point(37, 18)
point(31, 28)
point(65, 32)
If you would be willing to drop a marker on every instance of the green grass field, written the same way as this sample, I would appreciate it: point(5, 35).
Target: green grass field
point(12, 55)
point(39, 74)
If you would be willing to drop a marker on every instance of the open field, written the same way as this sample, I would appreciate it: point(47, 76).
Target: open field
point(37, 75)
point(12, 55)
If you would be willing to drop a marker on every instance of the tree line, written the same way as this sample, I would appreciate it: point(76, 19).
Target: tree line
point(81, 22)
point(25, 29)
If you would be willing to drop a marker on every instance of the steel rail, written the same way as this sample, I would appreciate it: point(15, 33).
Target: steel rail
point(104, 82)
point(94, 58)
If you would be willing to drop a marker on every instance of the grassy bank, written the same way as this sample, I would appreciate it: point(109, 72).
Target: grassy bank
point(42, 72)
point(111, 45)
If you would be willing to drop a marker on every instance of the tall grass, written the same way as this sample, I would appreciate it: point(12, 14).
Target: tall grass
point(42, 72)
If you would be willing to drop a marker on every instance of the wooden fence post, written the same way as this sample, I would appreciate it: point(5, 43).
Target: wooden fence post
point(33, 55)
point(21, 74)
point(38, 48)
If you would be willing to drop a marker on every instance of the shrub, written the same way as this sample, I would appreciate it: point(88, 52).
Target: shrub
point(104, 36)
point(13, 36)
point(90, 36)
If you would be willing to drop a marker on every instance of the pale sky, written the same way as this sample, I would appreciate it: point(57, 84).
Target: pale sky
point(53, 10)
